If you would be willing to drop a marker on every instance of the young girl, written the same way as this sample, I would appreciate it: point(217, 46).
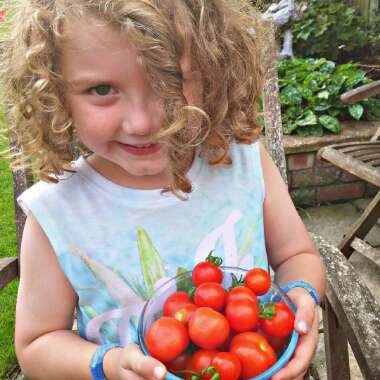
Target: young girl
point(160, 96)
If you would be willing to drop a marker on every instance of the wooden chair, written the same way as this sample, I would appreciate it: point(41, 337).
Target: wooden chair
point(350, 312)
point(361, 159)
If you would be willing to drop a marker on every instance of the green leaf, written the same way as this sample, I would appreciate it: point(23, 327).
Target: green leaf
point(331, 123)
point(151, 264)
point(183, 280)
point(356, 111)
point(323, 94)
point(309, 119)
point(289, 128)
point(290, 95)
point(310, 130)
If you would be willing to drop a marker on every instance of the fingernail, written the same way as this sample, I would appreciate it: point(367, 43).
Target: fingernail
point(302, 327)
point(159, 372)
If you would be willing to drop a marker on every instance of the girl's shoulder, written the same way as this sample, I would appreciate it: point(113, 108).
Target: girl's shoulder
point(42, 190)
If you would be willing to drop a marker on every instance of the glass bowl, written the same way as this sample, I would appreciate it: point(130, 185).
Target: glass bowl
point(153, 310)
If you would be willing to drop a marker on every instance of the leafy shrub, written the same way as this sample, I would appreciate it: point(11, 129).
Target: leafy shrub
point(310, 92)
point(334, 30)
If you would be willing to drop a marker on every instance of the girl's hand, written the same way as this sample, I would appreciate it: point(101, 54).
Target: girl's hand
point(306, 324)
point(130, 363)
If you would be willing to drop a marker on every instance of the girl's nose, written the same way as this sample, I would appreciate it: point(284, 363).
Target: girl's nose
point(142, 118)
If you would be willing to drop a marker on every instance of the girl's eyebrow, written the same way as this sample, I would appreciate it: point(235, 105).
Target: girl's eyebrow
point(82, 81)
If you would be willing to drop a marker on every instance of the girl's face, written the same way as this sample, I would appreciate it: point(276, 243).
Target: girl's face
point(115, 111)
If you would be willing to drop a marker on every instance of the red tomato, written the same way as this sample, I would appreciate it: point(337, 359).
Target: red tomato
point(207, 271)
point(258, 280)
point(241, 292)
point(200, 360)
point(175, 301)
point(278, 342)
point(227, 365)
point(166, 338)
point(179, 363)
point(282, 322)
point(225, 346)
point(184, 313)
point(210, 294)
point(249, 336)
point(208, 328)
point(255, 356)
point(242, 315)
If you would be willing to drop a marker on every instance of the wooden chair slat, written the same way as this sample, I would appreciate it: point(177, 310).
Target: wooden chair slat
point(360, 93)
point(353, 144)
point(355, 308)
point(351, 165)
point(336, 344)
point(8, 270)
point(362, 226)
point(366, 250)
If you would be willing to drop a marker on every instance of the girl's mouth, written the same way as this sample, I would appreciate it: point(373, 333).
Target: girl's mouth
point(141, 150)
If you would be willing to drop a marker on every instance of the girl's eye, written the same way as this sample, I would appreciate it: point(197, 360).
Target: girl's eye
point(101, 90)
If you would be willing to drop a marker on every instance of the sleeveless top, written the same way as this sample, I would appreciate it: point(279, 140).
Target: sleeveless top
point(116, 244)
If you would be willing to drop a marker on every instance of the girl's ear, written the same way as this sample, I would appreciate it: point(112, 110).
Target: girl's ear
point(192, 80)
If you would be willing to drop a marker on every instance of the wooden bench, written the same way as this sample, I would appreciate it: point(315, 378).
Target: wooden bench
point(350, 312)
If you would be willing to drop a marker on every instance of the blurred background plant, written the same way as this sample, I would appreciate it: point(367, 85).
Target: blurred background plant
point(336, 31)
point(336, 49)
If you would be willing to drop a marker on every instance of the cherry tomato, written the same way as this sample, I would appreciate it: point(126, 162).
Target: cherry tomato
point(278, 343)
point(208, 328)
point(241, 292)
point(184, 313)
point(258, 280)
point(225, 346)
point(179, 363)
point(242, 315)
point(255, 356)
point(166, 338)
point(207, 271)
point(200, 360)
point(281, 323)
point(175, 301)
point(227, 365)
point(210, 294)
point(249, 336)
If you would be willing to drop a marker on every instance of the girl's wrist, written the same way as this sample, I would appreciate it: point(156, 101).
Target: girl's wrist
point(306, 287)
point(111, 363)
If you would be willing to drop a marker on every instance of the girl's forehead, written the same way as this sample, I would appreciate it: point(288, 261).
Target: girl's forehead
point(89, 31)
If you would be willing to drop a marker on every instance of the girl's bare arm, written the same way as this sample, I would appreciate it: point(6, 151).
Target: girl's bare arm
point(291, 251)
point(46, 346)
point(293, 257)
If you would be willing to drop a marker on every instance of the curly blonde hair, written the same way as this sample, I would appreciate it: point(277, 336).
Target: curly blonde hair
point(224, 43)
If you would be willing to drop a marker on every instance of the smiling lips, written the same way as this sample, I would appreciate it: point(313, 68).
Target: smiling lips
point(141, 150)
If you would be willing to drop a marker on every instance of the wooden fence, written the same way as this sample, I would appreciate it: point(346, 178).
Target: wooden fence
point(368, 8)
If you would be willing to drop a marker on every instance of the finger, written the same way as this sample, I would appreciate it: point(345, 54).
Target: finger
point(144, 366)
point(129, 375)
point(302, 357)
point(306, 308)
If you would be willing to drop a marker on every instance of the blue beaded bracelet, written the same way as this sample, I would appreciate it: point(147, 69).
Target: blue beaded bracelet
point(302, 284)
point(96, 363)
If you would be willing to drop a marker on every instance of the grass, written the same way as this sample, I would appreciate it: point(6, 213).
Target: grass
point(7, 248)
point(7, 243)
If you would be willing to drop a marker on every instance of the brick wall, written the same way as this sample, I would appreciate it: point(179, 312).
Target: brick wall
point(311, 181)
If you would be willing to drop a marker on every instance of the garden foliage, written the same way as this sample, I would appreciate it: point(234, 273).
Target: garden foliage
point(310, 92)
point(335, 30)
